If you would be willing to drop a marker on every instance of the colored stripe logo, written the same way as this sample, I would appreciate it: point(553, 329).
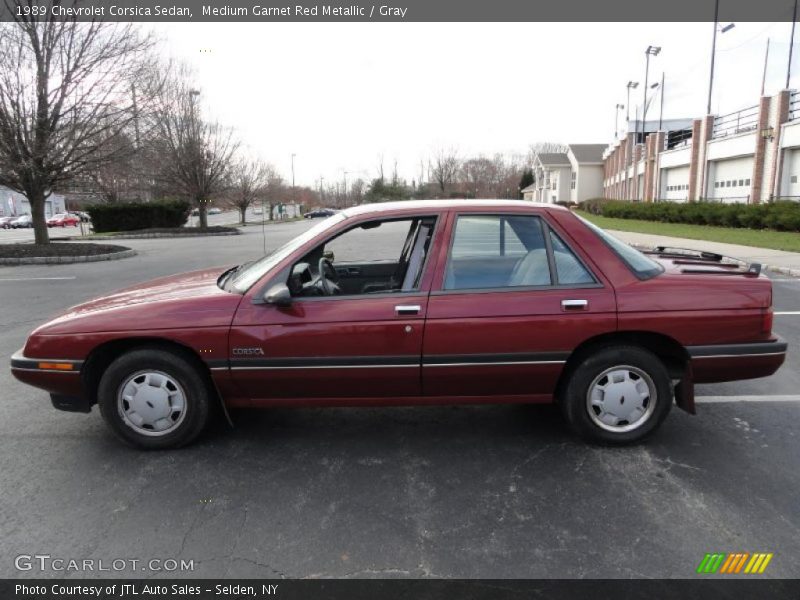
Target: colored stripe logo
point(735, 563)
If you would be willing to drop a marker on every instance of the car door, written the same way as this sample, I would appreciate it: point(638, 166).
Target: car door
point(511, 301)
point(339, 348)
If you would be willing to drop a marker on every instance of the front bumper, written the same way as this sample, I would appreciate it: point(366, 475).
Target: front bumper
point(60, 377)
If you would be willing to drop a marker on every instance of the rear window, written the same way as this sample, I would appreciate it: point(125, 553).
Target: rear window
point(642, 265)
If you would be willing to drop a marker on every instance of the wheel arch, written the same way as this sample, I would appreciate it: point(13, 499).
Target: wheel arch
point(103, 355)
point(671, 352)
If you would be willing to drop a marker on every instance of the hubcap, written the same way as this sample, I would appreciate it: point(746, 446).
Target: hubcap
point(621, 399)
point(151, 403)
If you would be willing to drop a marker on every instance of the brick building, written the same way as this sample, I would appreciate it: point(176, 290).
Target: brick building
point(751, 155)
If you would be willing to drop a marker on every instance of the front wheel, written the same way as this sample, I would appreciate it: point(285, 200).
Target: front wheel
point(618, 395)
point(152, 398)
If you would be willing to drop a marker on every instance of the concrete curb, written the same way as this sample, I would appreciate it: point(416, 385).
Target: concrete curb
point(61, 260)
point(144, 236)
point(783, 270)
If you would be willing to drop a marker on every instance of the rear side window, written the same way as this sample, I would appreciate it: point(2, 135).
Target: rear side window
point(569, 270)
point(497, 251)
point(642, 266)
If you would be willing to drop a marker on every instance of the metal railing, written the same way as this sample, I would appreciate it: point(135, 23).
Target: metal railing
point(736, 122)
point(678, 139)
point(794, 105)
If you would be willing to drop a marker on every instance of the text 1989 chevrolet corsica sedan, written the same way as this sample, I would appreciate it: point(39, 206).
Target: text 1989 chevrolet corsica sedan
point(430, 302)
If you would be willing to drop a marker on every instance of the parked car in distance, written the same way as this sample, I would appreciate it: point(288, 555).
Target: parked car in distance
point(318, 213)
point(258, 210)
point(5, 222)
point(416, 303)
point(63, 219)
point(22, 222)
point(214, 211)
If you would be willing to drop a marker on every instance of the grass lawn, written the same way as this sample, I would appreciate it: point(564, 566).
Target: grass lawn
point(776, 240)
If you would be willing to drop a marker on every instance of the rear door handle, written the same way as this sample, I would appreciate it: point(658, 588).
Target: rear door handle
point(407, 309)
point(574, 304)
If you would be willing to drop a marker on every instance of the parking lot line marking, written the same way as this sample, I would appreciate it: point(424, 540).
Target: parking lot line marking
point(722, 399)
point(36, 278)
point(787, 312)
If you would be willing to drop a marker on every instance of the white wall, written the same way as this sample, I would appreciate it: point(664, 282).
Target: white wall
point(588, 183)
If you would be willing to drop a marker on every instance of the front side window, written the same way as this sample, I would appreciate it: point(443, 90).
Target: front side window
point(382, 256)
point(495, 251)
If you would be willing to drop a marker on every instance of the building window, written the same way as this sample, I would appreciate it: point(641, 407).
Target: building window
point(573, 176)
point(741, 182)
point(747, 182)
point(794, 179)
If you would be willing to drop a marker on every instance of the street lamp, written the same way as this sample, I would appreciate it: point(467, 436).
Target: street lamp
point(632, 85)
point(651, 51)
point(719, 29)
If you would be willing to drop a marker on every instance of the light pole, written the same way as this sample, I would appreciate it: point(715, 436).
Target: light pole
point(294, 191)
point(661, 110)
point(193, 137)
point(717, 28)
point(651, 51)
point(632, 85)
point(791, 46)
point(345, 188)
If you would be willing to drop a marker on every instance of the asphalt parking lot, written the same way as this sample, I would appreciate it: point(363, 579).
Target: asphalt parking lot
point(474, 492)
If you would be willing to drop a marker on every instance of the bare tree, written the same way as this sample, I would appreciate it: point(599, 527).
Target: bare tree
point(443, 168)
point(64, 100)
point(198, 154)
point(248, 179)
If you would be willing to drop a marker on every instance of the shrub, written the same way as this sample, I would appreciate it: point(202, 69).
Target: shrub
point(133, 216)
point(782, 216)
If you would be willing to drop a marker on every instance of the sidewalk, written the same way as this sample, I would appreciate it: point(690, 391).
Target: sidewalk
point(787, 263)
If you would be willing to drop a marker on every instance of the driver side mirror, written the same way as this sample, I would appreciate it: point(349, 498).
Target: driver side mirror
point(279, 295)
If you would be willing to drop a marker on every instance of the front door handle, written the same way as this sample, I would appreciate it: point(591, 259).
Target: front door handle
point(574, 304)
point(407, 309)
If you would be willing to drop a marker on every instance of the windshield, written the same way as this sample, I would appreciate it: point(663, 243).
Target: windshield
point(642, 266)
point(249, 274)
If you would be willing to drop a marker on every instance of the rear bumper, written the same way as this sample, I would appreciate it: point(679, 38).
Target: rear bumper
point(733, 362)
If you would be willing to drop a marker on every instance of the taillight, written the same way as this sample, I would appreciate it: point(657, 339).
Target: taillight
point(766, 320)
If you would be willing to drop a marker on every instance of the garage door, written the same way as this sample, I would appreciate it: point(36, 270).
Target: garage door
point(791, 187)
point(729, 180)
point(675, 184)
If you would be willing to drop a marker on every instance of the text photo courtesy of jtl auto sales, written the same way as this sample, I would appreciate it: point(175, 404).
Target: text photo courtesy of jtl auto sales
point(488, 300)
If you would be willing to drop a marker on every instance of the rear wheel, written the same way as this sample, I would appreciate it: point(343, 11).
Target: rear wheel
point(618, 395)
point(153, 398)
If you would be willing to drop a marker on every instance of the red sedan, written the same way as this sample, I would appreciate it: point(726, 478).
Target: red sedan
point(63, 219)
point(435, 302)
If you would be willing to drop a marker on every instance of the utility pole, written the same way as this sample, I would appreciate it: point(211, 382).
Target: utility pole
point(713, 55)
point(650, 51)
point(791, 46)
point(661, 110)
point(764, 75)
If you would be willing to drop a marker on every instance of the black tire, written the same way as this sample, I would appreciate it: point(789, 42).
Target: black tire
point(574, 400)
point(198, 398)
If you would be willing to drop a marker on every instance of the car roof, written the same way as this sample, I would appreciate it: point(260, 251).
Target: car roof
point(406, 205)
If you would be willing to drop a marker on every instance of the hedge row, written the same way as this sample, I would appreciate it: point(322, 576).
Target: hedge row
point(780, 216)
point(132, 216)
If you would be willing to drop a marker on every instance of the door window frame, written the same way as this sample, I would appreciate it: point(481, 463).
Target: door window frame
point(546, 227)
point(428, 266)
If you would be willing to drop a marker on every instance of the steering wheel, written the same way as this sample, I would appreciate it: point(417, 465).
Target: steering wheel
point(327, 279)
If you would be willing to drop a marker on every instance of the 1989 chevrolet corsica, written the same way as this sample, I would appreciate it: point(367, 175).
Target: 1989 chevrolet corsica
point(430, 302)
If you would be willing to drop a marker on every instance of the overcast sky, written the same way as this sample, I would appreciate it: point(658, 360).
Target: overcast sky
point(340, 94)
